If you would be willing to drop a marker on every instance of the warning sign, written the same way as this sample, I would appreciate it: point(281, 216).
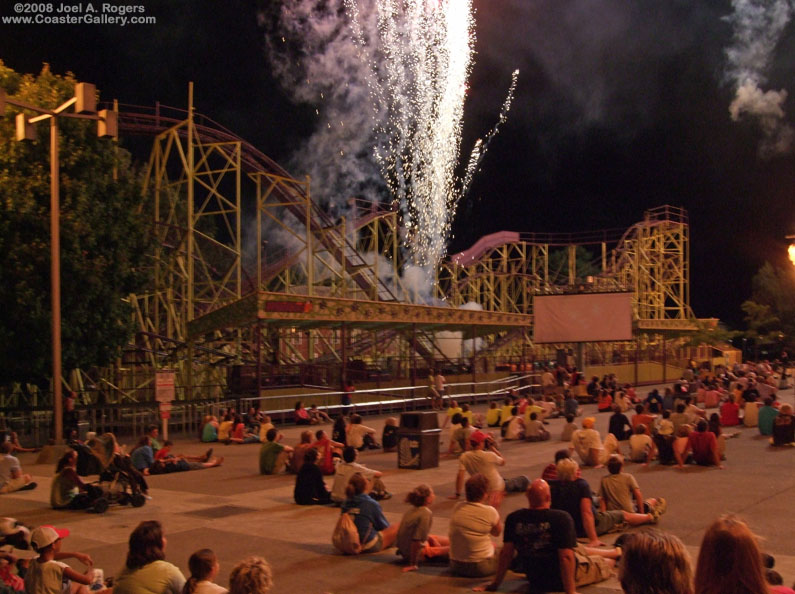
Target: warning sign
point(164, 385)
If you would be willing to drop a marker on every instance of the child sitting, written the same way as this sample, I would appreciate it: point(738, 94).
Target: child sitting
point(569, 428)
point(493, 415)
point(389, 437)
point(534, 430)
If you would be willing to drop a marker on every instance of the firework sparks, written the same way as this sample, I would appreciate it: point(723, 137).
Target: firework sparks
point(419, 83)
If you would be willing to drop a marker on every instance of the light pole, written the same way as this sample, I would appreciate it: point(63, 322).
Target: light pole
point(85, 101)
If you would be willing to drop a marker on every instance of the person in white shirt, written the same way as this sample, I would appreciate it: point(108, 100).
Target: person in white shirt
point(361, 436)
point(347, 468)
point(472, 552)
point(204, 567)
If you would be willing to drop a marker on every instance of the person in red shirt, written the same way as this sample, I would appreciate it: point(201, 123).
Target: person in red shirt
point(704, 446)
point(642, 418)
point(729, 413)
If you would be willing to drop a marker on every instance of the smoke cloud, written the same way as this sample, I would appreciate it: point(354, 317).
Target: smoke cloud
point(758, 27)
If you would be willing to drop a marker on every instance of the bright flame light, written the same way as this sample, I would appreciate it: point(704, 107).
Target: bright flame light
point(420, 84)
point(791, 253)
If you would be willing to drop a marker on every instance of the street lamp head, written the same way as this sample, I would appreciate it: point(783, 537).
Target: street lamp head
point(86, 95)
point(791, 253)
point(25, 129)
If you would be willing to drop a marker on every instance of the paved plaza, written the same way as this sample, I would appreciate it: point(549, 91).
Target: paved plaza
point(236, 512)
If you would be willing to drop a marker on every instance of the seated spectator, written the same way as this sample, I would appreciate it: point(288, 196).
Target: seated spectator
point(209, 429)
point(309, 486)
point(493, 415)
point(472, 553)
point(680, 417)
point(146, 569)
point(318, 416)
point(12, 438)
point(541, 543)
point(347, 468)
point(204, 567)
point(588, 444)
point(654, 397)
point(620, 490)
point(142, 456)
point(459, 438)
point(414, 541)
point(704, 446)
point(240, 432)
point(45, 574)
point(569, 428)
point(751, 414)
point(507, 407)
point(264, 426)
point(729, 560)
point(641, 418)
point(300, 450)
point(253, 420)
point(513, 428)
point(641, 446)
point(452, 409)
point(11, 476)
point(534, 430)
point(389, 436)
point(361, 436)
point(375, 532)
point(328, 450)
point(653, 562)
point(339, 432)
point(570, 404)
point(466, 413)
point(301, 415)
point(166, 462)
point(550, 472)
point(225, 427)
point(68, 491)
point(619, 424)
point(712, 397)
point(784, 427)
point(153, 432)
point(767, 417)
point(604, 401)
point(729, 413)
point(573, 495)
point(274, 456)
point(251, 576)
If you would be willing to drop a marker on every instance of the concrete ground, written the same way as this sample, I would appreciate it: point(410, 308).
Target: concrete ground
point(236, 512)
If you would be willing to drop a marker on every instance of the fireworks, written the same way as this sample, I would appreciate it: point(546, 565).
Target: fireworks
point(419, 84)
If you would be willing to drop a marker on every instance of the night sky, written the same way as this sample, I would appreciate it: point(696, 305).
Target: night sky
point(621, 106)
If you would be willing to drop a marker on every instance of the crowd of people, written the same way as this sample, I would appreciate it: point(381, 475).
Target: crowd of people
point(541, 541)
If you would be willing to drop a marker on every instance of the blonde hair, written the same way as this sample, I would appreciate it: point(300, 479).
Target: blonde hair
point(251, 576)
point(567, 469)
point(654, 562)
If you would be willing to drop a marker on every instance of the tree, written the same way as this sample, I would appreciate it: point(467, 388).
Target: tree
point(770, 313)
point(104, 238)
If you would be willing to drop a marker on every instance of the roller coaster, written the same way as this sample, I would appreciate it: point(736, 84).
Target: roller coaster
point(303, 287)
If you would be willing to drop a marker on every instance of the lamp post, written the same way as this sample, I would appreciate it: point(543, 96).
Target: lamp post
point(85, 101)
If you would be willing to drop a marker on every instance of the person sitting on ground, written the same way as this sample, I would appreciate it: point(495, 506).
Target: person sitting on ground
point(653, 562)
point(13, 439)
point(484, 458)
point(588, 444)
point(534, 430)
point(729, 413)
point(45, 574)
point(251, 576)
point(209, 429)
point(507, 407)
point(225, 427)
point(452, 410)
point(204, 568)
point(729, 560)
point(550, 472)
point(619, 424)
point(570, 404)
point(459, 438)
point(641, 446)
point(153, 432)
point(375, 532)
point(472, 553)
point(300, 451)
point(253, 419)
point(750, 414)
point(713, 425)
point(264, 426)
point(318, 416)
point(339, 431)
point(573, 495)
point(361, 436)
point(783, 427)
point(328, 450)
point(642, 418)
point(168, 462)
point(704, 446)
point(767, 417)
point(493, 415)
point(620, 490)
point(301, 415)
point(68, 491)
point(309, 486)
point(569, 428)
point(654, 397)
point(142, 456)
point(680, 417)
point(146, 569)
point(240, 432)
point(541, 543)
point(414, 541)
point(347, 468)
point(389, 436)
point(274, 456)
point(664, 440)
point(604, 401)
point(11, 475)
point(466, 413)
point(513, 428)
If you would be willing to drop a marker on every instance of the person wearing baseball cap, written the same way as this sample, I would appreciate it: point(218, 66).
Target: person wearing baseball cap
point(46, 575)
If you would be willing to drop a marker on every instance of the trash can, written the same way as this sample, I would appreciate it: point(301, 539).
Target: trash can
point(418, 440)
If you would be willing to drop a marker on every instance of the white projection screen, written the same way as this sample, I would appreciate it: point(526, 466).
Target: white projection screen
point(585, 317)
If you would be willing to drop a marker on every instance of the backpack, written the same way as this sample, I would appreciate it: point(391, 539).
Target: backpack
point(345, 537)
